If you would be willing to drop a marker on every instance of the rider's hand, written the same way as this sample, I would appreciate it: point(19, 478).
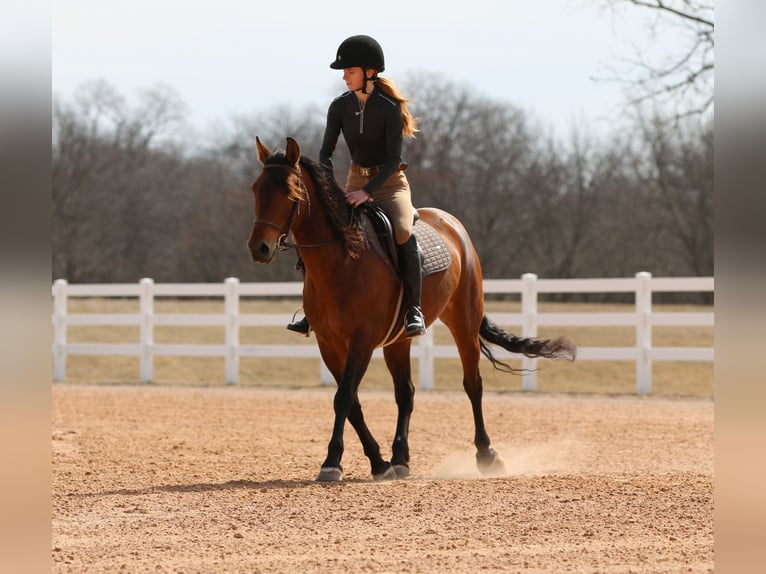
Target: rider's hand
point(358, 197)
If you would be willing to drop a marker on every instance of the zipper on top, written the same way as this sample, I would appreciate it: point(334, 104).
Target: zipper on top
point(360, 114)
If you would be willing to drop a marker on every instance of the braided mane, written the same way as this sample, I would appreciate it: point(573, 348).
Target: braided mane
point(342, 217)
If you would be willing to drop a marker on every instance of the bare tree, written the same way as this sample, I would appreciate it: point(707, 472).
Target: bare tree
point(677, 167)
point(130, 201)
point(111, 188)
point(469, 159)
point(234, 145)
point(681, 81)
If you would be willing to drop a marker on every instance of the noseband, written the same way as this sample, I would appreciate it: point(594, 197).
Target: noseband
point(283, 243)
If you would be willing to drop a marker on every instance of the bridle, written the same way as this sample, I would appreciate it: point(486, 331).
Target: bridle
point(283, 243)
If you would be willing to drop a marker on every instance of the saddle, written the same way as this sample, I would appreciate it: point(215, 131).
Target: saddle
point(435, 255)
point(380, 235)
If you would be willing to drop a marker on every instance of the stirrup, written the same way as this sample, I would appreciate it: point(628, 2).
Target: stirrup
point(301, 327)
point(415, 323)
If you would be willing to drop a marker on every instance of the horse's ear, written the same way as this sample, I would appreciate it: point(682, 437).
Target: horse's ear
point(293, 151)
point(263, 151)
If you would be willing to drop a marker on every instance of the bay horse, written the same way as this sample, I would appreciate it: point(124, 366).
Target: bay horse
point(350, 297)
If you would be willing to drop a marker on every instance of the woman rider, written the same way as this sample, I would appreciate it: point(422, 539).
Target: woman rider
point(373, 118)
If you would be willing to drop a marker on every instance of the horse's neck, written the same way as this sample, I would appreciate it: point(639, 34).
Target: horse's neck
point(313, 227)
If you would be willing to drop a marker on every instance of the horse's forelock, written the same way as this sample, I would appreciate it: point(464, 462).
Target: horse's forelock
point(295, 191)
point(278, 157)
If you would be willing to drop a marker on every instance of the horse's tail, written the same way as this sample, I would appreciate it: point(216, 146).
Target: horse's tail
point(561, 348)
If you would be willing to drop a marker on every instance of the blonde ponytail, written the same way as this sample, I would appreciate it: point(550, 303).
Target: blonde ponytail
point(409, 123)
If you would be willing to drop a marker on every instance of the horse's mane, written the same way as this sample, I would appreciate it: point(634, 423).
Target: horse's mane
point(342, 217)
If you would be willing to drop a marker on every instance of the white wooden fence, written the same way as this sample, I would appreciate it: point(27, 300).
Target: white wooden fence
point(529, 286)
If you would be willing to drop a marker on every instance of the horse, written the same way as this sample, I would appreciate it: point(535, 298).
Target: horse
point(352, 299)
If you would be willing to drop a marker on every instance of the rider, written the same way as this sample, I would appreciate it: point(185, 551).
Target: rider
point(373, 117)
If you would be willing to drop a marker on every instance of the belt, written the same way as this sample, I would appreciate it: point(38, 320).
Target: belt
point(372, 171)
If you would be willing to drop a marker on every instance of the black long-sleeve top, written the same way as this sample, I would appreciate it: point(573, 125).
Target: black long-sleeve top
point(373, 134)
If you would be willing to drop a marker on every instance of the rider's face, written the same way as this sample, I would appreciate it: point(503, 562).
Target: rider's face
point(354, 78)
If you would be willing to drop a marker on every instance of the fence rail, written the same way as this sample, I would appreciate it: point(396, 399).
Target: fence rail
point(643, 285)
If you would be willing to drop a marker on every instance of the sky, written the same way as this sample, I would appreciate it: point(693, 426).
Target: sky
point(237, 57)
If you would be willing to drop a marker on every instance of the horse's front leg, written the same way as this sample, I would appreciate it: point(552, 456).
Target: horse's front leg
point(381, 469)
point(346, 406)
point(397, 358)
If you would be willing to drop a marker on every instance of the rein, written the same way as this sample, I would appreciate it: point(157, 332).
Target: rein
point(283, 243)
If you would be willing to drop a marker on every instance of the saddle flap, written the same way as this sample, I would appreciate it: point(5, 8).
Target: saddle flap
point(436, 255)
point(383, 229)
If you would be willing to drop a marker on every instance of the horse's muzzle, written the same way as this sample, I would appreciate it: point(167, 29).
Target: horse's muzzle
point(261, 252)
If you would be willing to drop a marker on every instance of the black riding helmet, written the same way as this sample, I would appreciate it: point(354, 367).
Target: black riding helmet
point(362, 51)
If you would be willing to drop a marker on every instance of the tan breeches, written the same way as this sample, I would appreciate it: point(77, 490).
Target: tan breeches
point(393, 198)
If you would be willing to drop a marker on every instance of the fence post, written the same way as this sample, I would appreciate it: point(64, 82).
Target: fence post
point(643, 333)
point(426, 360)
point(146, 301)
point(59, 329)
point(529, 328)
point(231, 304)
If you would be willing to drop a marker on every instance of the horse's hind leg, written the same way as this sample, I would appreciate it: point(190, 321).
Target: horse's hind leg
point(488, 461)
point(397, 358)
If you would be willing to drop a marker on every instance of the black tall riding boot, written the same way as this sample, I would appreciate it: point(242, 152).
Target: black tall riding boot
point(301, 326)
point(410, 263)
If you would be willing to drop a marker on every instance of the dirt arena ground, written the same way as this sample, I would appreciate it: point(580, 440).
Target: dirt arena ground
point(220, 479)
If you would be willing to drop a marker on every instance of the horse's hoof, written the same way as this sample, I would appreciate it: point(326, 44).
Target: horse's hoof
point(330, 474)
point(388, 474)
point(401, 470)
point(490, 464)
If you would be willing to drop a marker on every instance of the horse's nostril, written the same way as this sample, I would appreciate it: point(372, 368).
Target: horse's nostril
point(259, 251)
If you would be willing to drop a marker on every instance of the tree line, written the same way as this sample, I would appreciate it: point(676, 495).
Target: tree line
point(136, 194)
